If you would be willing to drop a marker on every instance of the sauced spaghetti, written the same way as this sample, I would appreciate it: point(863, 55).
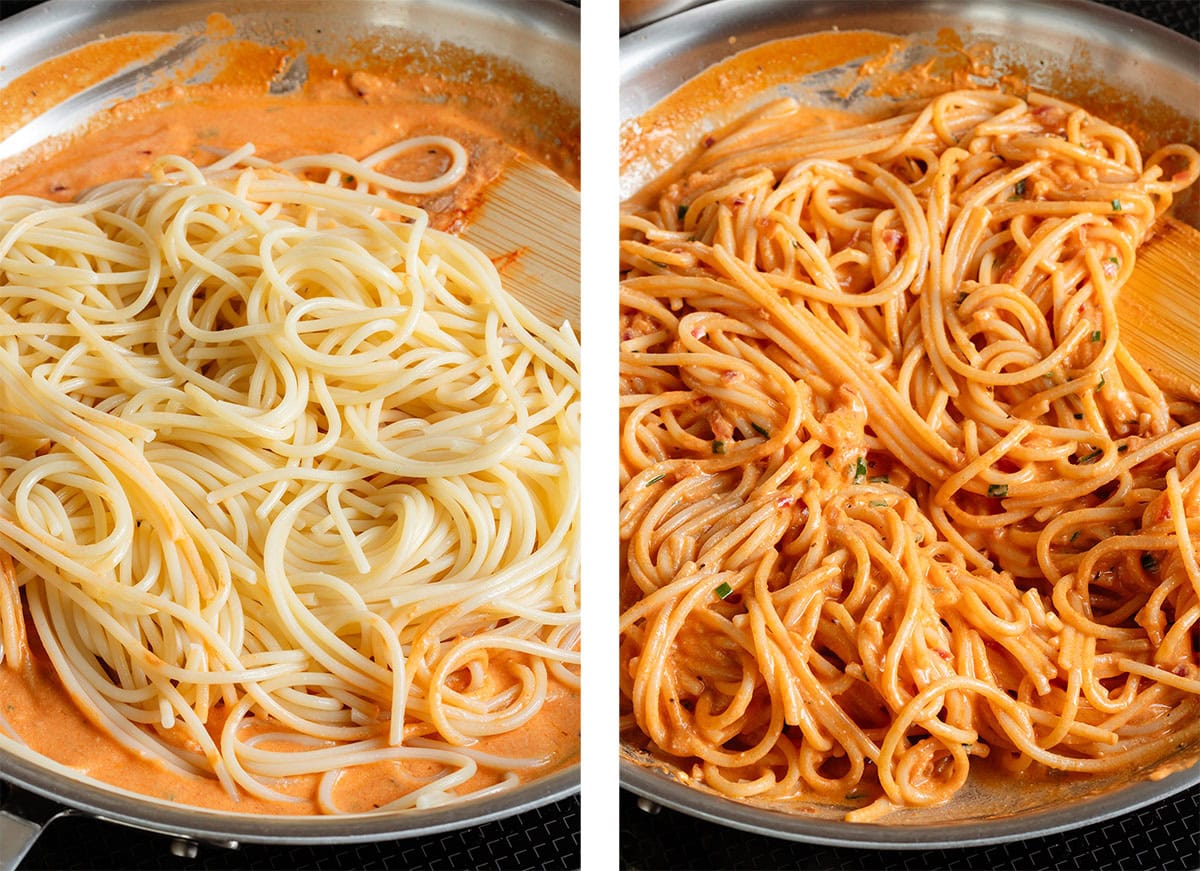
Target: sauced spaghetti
point(288, 482)
point(894, 497)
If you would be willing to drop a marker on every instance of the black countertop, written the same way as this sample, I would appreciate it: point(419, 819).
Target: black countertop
point(544, 838)
point(1165, 835)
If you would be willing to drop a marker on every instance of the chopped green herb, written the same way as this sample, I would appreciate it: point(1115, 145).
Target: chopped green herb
point(1074, 535)
point(860, 470)
point(878, 503)
point(1091, 458)
point(1019, 188)
point(681, 212)
point(718, 446)
point(997, 491)
point(1096, 336)
point(1101, 384)
point(723, 590)
point(655, 480)
point(1150, 563)
point(1116, 205)
point(1116, 260)
point(761, 431)
point(878, 479)
point(854, 796)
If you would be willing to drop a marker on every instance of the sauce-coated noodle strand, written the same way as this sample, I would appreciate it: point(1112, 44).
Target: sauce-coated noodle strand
point(289, 484)
point(894, 497)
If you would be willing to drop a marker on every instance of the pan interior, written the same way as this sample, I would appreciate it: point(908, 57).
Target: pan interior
point(1123, 68)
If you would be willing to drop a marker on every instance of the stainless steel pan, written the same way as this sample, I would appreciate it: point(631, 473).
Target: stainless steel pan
point(539, 36)
point(1081, 51)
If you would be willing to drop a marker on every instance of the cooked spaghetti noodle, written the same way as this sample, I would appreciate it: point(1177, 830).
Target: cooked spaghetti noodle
point(894, 496)
point(288, 482)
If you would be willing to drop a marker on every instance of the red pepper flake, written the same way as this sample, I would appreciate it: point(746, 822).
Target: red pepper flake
point(893, 239)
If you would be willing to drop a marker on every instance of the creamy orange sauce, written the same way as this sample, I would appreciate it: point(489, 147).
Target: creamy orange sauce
point(657, 149)
point(379, 90)
point(40, 711)
point(674, 129)
point(665, 133)
point(48, 84)
point(201, 127)
point(813, 120)
point(349, 107)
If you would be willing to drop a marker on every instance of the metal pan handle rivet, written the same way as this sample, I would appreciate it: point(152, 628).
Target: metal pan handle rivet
point(184, 849)
point(648, 807)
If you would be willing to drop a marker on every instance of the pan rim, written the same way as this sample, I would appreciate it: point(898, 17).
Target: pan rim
point(688, 36)
point(67, 25)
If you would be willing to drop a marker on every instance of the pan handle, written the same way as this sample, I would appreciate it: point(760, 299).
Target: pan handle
point(23, 817)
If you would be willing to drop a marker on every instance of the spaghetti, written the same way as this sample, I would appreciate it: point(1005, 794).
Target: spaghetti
point(894, 496)
point(288, 482)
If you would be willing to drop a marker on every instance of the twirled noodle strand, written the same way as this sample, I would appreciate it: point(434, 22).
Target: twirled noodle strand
point(281, 463)
point(894, 496)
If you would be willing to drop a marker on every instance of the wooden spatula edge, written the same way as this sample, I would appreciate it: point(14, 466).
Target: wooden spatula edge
point(529, 224)
point(1159, 307)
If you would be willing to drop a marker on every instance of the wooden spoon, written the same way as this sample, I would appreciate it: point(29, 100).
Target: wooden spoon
point(528, 225)
point(1159, 307)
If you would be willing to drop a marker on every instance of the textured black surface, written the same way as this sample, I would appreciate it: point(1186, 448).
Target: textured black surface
point(544, 838)
point(1182, 16)
point(1165, 835)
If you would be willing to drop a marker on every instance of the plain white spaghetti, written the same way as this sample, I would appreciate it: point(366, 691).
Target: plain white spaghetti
point(288, 483)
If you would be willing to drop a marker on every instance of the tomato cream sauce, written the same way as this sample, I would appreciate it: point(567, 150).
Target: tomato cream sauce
point(880, 76)
point(351, 107)
point(337, 107)
point(36, 707)
point(668, 132)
